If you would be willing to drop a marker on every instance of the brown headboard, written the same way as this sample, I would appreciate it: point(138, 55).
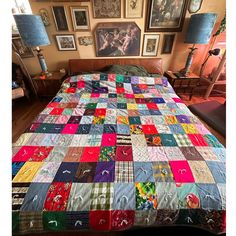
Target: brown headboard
point(152, 65)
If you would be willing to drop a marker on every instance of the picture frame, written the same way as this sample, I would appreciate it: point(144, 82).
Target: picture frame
point(114, 39)
point(150, 44)
point(80, 18)
point(45, 16)
point(66, 42)
point(168, 42)
point(194, 6)
point(133, 8)
point(85, 40)
point(20, 48)
point(106, 8)
point(163, 16)
point(60, 18)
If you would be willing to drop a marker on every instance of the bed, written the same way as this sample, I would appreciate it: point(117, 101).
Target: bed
point(116, 152)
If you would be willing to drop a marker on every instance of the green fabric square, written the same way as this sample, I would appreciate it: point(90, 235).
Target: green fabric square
point(119, 78)
point(67, 111)
point(107, 154)
point(15, 222)
point(54, 221)
point(91, 105)
point(134, 120)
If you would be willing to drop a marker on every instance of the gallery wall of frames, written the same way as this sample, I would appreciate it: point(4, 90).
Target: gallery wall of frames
point(121, 28)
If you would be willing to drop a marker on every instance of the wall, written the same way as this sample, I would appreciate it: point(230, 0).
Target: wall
point(58, 59)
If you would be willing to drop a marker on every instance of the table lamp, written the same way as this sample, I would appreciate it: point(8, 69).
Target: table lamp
point(33, 34)
point(199, 32)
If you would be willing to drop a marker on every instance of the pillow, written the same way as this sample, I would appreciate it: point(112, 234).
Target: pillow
point(127, 70)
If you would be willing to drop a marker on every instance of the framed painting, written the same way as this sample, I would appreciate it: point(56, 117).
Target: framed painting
point(20, 48)
point(117, 39)
point(45, 17)
point(85, 40)
point(164, 16)
point(168, 42)
point(60, 18)
point(150, 44)
point(194, 6)
point(133, 8)
point(106, 8)
point(80, 18)
point(66, 42)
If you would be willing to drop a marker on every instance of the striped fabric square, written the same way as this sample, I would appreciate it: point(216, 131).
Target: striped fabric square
point(124, 172)
point(102, 196)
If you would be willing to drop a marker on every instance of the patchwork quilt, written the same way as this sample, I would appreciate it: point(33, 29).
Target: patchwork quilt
point(114, 152)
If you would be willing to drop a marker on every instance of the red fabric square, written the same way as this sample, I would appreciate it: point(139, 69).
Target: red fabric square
point(120, 90)
point(152, 106)
point(100, 112)
point(197, 140)
point(40, 153)
point(109, 140)
point(57, 196)
point(33, 127)
point(112, 77)
point(149, 129)
point(140, 100)
point(71, 90)
point(70, 129)
point(143, 86)
point(129, 95)
point(177, 100)
point(100, 220)
point(124, 153)
point(53, 104)
point(80, 84)
point(56, 111)
point(95, 95)
point(181, 171)
point(90, 154)
point(121, 220)
point(24, 153)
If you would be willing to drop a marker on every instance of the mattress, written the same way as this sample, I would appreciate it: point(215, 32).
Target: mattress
point(114, 152)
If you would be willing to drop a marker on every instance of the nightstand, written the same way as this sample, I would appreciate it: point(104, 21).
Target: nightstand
point(183, 84)
point(50, 86)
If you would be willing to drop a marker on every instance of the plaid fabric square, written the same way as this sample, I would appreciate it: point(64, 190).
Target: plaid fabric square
point(207, 153)
point(168, 140)
point(162, 172)
point(93, 140)
point(191, 154)
point(174, 153)
point(107, 153)
point(201, 172)
point(85, 172)
point(140, 154)
point(102, 196)
point(182, 140)
point(124, 171)
point(143, 172)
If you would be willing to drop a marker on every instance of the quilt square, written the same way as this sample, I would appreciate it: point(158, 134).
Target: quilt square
point(170, 119)
point(122, 219)
point(124, 196)
point(124, 153)
point(158, 100)
point(182, 140)
point(123, 129)
point(146, 197)
point(54, 221)
point(207, 153)
point(100, 112)
point(24, 153)
point(212, 141)
point(181, 171)
point(85, 172)
point(144, 112)
point(152, 106)
point(74, 119)
point(110, 129)
point(102, 196)
point(96, 129)
point(83, 129)
point(19, 191)
point(70, 129)
point(197, 140)
point(121, 106)
point(57, 197)
point(122, 120)
point(220, 153)
point(16, 166)
point(91, 106)
point(87, 120)
point(156, 154)
point(105, 172)
point(41, 153)
point(155, 112)
point(163, 129)
point(191, 154)
point(153, 140)
point(201, 172)
point(123, 140)
point(147, 120)
point(202, 129)
point(90, 154)
point(89, 112)
point(177, 129)
point(124, 171)
point(159, 120)
point(162, 172)
point(143, 172)
point(68, 111)
point(79, 111)
point(94, 140)
point(98, 120)
point(57, 154)
point(56, 111)
point(107, 153)
point(73, 154)
point(189, 128)
point(218, 170)
point(140, 154)
point(183, 119)
point(33, 127)
point(76, 220)
point(168, 140)
point(100, 220)
point(134, 120)
point(145, 218)
point(149, 129)
point(109, 140)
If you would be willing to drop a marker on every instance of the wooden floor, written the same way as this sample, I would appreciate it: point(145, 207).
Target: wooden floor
point(24, 112)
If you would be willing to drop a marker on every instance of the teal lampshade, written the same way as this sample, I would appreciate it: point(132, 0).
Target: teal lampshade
point(200, 28)
point(32, 30)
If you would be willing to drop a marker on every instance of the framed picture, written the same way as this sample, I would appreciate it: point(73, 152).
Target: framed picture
point(80, 18)
point(194, 6)
point(133, 8)
point(60, 18)
point(66, 42)
point(168, 42)
point(86, 40)
point(164, 16)
point(21, 49)
point(117, 39)
point(45, 17)
point(150, 44)
point(106, 8)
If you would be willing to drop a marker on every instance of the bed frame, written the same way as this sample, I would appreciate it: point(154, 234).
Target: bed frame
point(152, 65)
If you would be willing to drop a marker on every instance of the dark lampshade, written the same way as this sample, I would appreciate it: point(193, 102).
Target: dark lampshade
point(32, 30)
point(200, 28)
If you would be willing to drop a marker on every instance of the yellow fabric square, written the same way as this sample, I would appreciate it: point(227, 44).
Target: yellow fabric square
point(189, 128)
point(132, 106)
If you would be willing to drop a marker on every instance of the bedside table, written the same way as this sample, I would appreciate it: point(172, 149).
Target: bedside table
point(50, 86)
point(183, 83)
